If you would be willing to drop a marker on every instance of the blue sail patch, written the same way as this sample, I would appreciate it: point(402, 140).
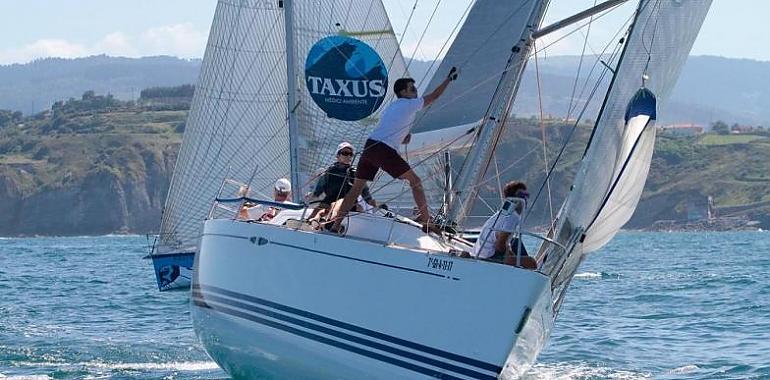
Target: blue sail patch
point(345, 77)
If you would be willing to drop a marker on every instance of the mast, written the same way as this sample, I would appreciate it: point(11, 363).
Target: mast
point(480, 154)
point(291, 96)
point(492, 126)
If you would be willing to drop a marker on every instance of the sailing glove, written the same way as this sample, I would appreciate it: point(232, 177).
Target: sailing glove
point(452, 74)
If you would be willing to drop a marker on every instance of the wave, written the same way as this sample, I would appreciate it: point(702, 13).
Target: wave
point(579, 371)
point(596, 276)
point(26, 377)
point(683, 369)
point(192, 366)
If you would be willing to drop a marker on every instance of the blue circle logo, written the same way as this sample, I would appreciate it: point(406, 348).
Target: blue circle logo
point(345, 77)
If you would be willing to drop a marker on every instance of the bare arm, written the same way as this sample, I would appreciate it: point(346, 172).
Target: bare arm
point(433, 96)
point(501, 242)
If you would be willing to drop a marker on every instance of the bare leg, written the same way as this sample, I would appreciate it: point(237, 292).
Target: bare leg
point(348, 202)
point(423, 215)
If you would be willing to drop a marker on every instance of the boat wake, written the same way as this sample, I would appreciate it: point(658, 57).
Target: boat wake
point(587, 276)
point(580, 371)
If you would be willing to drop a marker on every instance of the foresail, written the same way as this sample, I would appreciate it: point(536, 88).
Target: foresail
point(611, 178)
point(237, 123)
point(347, 58)
point(480, 51)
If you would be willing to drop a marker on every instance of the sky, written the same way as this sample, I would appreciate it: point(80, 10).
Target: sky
point(32, 29)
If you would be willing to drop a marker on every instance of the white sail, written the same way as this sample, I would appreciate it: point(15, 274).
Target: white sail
point(490, 50)
point(237, 122)
point(480, 51)
point(632, 166)
point(347, 59)
point(601, 202)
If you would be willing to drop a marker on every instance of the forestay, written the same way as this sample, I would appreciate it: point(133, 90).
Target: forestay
point(611, 177)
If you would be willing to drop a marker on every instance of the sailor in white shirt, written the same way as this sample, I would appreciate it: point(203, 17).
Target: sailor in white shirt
point(381, 149)
point(259, 212)
point(493, 242)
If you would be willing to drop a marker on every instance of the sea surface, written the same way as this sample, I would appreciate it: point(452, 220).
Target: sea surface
point(649, 305)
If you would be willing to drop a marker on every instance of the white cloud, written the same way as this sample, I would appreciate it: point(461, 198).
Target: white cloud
point(43, 48)
point(181, 40)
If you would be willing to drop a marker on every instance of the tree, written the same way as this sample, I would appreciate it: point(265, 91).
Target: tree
point(721, 128)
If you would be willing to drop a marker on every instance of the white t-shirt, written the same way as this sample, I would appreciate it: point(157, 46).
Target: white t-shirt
point(396, 121)
point(485, 245)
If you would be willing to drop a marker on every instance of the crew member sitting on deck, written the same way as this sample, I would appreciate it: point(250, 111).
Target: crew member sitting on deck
point(262, 213)
point(337, 181)
point(381, 149)
point(492, 243)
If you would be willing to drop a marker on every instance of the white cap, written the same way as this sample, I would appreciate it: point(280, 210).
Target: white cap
point(283, 185)
point(344, 145)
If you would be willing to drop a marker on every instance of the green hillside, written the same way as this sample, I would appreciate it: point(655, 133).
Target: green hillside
point(97, 165)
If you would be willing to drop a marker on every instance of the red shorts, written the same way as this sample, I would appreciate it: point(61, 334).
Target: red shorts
point(378, 155)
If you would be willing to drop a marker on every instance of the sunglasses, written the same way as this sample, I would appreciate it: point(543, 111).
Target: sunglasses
point(345, 153)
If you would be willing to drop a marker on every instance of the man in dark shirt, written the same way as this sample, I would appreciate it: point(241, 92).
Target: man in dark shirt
point(337, 180)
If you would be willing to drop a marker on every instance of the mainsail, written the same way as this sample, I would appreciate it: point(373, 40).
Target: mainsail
point(613, 171)
point(488, 52)
point(342, 53)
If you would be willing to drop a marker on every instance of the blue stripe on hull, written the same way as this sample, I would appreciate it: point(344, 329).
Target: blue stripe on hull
point(201, 294)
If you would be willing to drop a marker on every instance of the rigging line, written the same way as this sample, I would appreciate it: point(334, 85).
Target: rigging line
point(403, 35)
point(542, 132)
point(451, 36)
point(476, 186)
point(425, 30)
point(497, 175)
point(575, 30)
point(629, 35)
point(580, 67)
point(494, 32)
point(564, 145)
point(599, 60)
point(652, 41)
point(445, 146)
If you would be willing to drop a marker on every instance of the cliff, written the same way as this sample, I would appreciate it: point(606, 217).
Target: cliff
point(109, 177)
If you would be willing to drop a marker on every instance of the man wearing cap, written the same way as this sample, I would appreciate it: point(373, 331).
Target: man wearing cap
point(337, 180)
point(493, 242)
point(281, 193)
point(381, 149)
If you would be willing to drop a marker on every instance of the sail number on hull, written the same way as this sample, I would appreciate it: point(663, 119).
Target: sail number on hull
point(440, 264)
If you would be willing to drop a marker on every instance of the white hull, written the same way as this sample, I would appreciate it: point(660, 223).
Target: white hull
point(272, 302)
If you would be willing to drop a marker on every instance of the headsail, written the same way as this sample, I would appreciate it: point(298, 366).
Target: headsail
point(613, 171)
point(237, 122)
point(344, 57)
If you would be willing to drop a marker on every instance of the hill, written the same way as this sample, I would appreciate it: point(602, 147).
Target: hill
point(35, 86)
point(709, 89)
point(99, 165)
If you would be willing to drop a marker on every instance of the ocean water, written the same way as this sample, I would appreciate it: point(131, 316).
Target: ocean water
point(649, 305)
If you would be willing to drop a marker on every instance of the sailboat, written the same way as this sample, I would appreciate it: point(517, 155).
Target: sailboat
point(282, 83)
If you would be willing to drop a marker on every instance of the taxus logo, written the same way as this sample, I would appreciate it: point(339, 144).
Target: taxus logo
point(345, 77)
